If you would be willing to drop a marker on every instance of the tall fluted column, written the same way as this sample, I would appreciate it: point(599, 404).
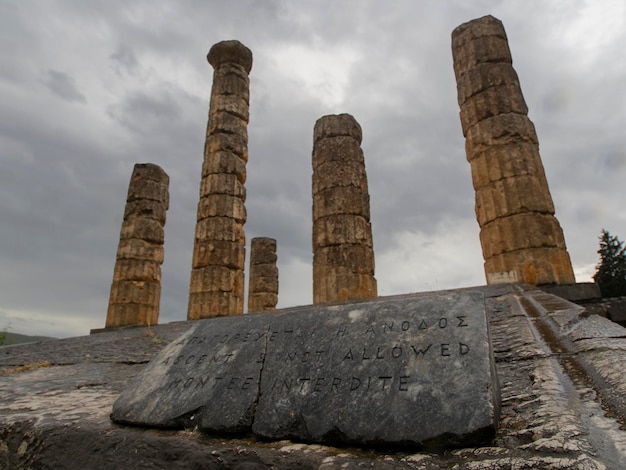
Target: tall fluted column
point(217, 276)
point(263, 285)
point(520, 236)
point(343, 253)
point(136, 288)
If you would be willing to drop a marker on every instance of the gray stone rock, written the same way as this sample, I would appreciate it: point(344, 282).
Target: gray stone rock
point(408, 370)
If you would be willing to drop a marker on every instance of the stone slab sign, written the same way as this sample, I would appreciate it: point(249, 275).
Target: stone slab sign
point(408, 370)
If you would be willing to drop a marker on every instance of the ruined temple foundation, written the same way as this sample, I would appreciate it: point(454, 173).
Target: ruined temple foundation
point(263, 285)
point(521, 238)
point(217, 276)
point(343, 253)
point(136, 288)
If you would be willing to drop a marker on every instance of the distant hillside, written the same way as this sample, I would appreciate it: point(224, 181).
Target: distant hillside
point(16, 338)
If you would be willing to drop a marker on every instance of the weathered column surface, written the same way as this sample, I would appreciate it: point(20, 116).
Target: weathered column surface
point(263, 285)
point(217, 276)
point(136, 288)
point(343, 252)
point(521, 238)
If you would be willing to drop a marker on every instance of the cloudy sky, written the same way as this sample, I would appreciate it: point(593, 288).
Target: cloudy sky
point(89, 88)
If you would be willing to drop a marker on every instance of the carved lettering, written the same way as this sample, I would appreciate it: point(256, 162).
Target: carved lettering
point(462, 321)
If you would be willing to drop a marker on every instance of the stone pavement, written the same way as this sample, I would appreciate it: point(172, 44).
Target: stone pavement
point(560, 371)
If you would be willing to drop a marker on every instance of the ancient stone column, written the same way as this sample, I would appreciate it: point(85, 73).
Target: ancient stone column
point(521, 238)
point(343, 253)
point(263, 284)
point(136, 288)
point(217, 276)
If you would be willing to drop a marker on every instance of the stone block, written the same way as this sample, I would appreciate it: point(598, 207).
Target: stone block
point(231, 80)
point(220, 229)
point(335, 125)
point(224, 162)
point(134, 248)
point(214, 304)
point(263, 252)
point(519, 232)
point(485, 76)
point(512, 196)
point(335, 284)
point(335, 173)
point(151, 172)
point(149, 230)
point(146, 208)
point(216, 279)
point(493, 101)
point(341, 200)
point(233, 143)
point(355, 258)
point(337, 149)
point(219, 253)
point(481, 50)
point(504, 129)
point(137, 270)
point(506, 161)
point(340, 229)
point(146, 189)
point(225, 123)
point(222, 205)
point(261, 301)
point(409, 371)
point(544, 265)
point(232, 104)
point(135, 292)
point(132, 315)
point(224, 183)
point(265, 270)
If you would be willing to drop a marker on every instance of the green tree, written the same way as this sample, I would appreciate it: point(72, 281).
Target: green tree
point(611, 271)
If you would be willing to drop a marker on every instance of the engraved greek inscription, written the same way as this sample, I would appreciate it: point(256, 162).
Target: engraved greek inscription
point(463, 349)
point(261, 358)
point(445, 349)
point(387, 326)
point(341, 332)
point(231, 383)
point(356, 383)
point(202, 382)
point(365, 357)
point(462, 321)
point(174, 383)
point(247, 382)
point(403, 386)
point(405, 325)
point(305, 381)
point(370, 331)
point(273, 336)
point(188, 382)
point(318, 384)
point(385, 379)
point(217, 379)
point(443, 322)
point(202, 358)
point(421, 351)
point(378, 354)
point(189, 359)
point(423, 325)
point(348, 355)
point(334, 386)
point(396, 352)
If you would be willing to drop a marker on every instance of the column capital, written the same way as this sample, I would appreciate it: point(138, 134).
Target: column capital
point(231, 51)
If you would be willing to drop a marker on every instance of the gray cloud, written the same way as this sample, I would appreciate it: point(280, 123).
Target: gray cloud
point(61, 84)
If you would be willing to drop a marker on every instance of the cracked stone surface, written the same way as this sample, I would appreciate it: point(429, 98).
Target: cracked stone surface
point(562, 389)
